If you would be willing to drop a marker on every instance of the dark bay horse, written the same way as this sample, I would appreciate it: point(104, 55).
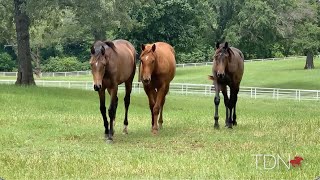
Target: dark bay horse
point(228, 67)
point(112, 63)
point(157, 69)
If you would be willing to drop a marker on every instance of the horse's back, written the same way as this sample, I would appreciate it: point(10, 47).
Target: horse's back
point(238, 63)
point(165, 60)
point(125, 59)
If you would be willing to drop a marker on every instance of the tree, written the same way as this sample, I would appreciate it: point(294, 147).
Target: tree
point(307, 32)
point(22, 22)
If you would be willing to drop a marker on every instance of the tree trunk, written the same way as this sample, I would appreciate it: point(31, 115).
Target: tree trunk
point(309, 61)
point(25, 75)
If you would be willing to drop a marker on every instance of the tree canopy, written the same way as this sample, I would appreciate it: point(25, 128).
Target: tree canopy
point(261, 29)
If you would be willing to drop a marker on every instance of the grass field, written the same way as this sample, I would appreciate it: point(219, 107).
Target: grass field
point(52, 133)
point(276, 74)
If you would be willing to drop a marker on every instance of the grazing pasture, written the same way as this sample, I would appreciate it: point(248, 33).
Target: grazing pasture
point(274, 74)
point(53, 133)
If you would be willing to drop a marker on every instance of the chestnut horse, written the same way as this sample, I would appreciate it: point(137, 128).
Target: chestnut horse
point(157, 69)
point(228, 67)
point(112, 63)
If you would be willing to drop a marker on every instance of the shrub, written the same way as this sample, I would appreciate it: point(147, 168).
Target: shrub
point(65, 64)
point(6, 62)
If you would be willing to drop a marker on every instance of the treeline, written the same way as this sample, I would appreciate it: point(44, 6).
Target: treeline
point(61, 31)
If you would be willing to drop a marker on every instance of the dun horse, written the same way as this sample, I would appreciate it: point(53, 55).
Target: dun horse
point(112, 63)
point(227, 70)
point(157, 69)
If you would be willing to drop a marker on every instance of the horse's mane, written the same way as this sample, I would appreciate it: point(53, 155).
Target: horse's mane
point(111, 45)
point(98, 46)
point(225, 47)
point(146, 51)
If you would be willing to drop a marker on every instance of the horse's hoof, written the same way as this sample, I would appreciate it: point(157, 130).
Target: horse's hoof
point(109, 141)
point(234, 123)
point(154, 131)
point(216, 126)
point(160, 126)
point(230, 126)
point(125, 131)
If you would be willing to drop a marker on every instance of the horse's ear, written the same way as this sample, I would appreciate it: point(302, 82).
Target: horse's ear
point(143, 47)
point(226, 45)
point(217, 45)
point(92, 50)
point(103, 50)
point(154, 47)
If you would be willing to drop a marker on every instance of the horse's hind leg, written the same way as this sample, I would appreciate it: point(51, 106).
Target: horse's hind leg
point(226, 102)
point(161, 109)
point(128, 85)
point(234, 110)
point(232, 106)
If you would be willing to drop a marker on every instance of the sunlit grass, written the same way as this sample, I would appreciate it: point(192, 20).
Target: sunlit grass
point(53, 133)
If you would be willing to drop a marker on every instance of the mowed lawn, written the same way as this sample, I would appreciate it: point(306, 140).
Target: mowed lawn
point(52, 133)
point(275, 74)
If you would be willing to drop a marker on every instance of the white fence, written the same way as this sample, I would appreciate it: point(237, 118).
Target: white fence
point(195, 89)
point(78, 73)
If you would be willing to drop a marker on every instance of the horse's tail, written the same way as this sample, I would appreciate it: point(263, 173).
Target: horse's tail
point(139, 64)
point(210, 77)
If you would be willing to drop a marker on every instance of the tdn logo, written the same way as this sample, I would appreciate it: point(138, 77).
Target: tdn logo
point(269, 161)
point(296, 161)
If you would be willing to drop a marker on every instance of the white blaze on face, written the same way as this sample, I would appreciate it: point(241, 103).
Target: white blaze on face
point(147, 58)
point(97, 64)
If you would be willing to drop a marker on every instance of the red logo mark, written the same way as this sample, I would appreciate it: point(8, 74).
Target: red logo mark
point(296, 161)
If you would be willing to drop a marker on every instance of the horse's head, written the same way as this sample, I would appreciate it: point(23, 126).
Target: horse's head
point(100, 56)
point(147, 58)
point(221, 59)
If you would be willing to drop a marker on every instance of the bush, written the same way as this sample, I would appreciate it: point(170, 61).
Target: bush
point(196, 56)
point(6, 62)
point(65, 64)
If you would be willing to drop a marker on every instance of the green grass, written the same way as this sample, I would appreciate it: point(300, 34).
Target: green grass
point(276, 74)
point(52, 133)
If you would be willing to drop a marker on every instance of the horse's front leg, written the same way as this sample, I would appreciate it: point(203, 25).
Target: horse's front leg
point(216, 102)
point(161, 93)
point(151, 93)
point(102, 98)
point(112, 110)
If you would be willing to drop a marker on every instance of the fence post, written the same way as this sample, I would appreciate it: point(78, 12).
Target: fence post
point(299, 95)
point(186, 89)
point(205, 90)
point(139, 88)
point(274, 93)
point(296, 95)
point(277, 94)
point(69, 84)
point(255, 93)
point(317, 95)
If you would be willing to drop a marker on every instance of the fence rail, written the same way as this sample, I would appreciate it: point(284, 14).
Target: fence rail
point(79, 73)
point(195, 89)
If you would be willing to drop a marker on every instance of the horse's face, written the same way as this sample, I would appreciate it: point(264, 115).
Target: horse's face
point(98, 62)
point(147, 62)
point(221, 58)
